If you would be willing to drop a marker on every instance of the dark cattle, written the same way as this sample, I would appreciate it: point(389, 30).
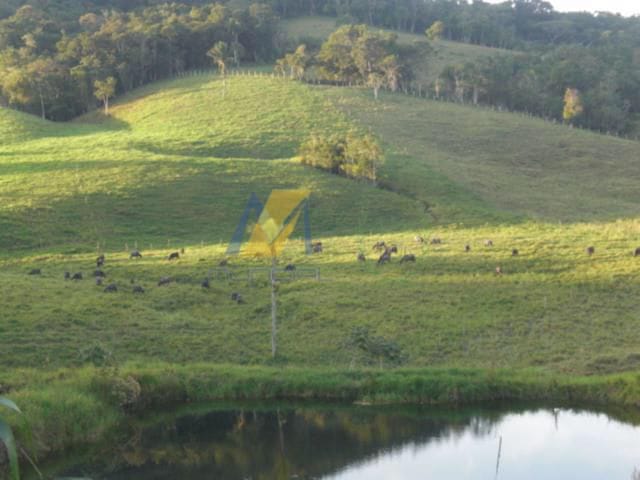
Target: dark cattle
point(316, 247)
point(135, 254)
point(384, 258)
point(436, 241)
point(408, 258)
point(636, 253)
point(467, 248)
point(67, 275)
point(76, 276)
point(205, 283)
point(99, 281)
point(361, 257)
point(35, 271)
point(138, 289)
point(165, 281)
point(590, 250)
point(223, 263)
point(498, 271)
point(100, 261)
point(174, 256)
point(488, 243)
point(392, 249)
point(290, 268)
point(379, 246)
point(418, 239)
point(236, 297)
point(111, 288)
point(515, 252)
point(99, 273)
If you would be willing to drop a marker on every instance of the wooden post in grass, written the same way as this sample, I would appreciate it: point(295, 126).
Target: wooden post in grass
point(274, 305)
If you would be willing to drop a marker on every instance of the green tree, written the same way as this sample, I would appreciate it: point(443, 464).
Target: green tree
point(104, 90)
point(435, 31)
point(572, 105)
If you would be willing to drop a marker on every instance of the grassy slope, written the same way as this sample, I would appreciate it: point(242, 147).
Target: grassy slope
point(175, 164)
point(318, 28)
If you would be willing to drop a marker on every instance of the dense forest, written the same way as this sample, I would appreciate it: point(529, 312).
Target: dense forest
point(60, 58)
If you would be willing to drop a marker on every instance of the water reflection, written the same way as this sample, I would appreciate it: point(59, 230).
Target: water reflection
point(362, 443)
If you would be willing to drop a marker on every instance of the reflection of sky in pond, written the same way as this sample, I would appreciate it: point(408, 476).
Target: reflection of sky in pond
point(584, 446)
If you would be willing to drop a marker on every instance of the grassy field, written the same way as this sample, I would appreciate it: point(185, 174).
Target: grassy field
point(315, 29)
point(173, 167)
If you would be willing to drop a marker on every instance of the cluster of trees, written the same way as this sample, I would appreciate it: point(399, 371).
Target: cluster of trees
point(596, 87)
point(350, 155)
point(59, 73)
point(356, 54)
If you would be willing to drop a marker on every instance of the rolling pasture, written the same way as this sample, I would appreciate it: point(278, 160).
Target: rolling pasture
point(173, 167)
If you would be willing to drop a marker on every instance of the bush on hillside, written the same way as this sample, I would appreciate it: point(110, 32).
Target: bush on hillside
point(347, 155)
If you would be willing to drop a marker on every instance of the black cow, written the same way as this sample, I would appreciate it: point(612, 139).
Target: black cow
point(636, 253)
point(361, 257)
point(99, 273)
point(76, 276)
point(138, 289)
point(100, 261)
point(174, 256)
point(205, 283)
point(165, 281)
point(467, 248)
point(515, 252)
point(35, 271)
point(591, 250)
point(111, 288)
point(135, 254)
point(408, 258)
point(290, 268)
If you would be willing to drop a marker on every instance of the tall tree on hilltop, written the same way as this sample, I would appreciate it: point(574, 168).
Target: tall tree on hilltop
point(104, 90)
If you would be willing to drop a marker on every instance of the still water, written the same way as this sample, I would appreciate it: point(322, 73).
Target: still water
point(364, 443)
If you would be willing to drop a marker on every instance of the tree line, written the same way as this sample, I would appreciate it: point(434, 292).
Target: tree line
point(59, 74)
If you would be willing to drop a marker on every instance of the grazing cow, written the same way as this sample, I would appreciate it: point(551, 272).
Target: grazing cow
point(205, 283)
point(67, 275)
point(392, 249)
point(76, 276)
point(515, 252)
point(384, 258)
point(174, 256)
point(165, 281)
point(99, 281)
point(467, 248)
point(111, 288)
point(591, 250)
point(137, 289)
point(636, 253)
point(35, 271)
point(408, 258)
point(379, 246)
point(436, 241)
point(316, 247)
point(223, 263)
point(99, 273)
point(135, 254)
point(418, 239)
point(488, 243)
point(236, 297)
point(361, 257)
point(290, 268)
point(100, 261)
point(498, 271)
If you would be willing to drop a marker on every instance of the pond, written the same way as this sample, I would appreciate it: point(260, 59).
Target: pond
point(367, 443)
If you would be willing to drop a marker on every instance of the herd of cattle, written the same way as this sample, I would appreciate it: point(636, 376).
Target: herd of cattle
point(384, 249)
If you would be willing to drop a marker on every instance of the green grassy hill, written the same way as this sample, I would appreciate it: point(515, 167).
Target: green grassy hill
point(173, 167)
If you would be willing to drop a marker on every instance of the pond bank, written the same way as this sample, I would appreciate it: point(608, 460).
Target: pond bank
point(66, 408)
